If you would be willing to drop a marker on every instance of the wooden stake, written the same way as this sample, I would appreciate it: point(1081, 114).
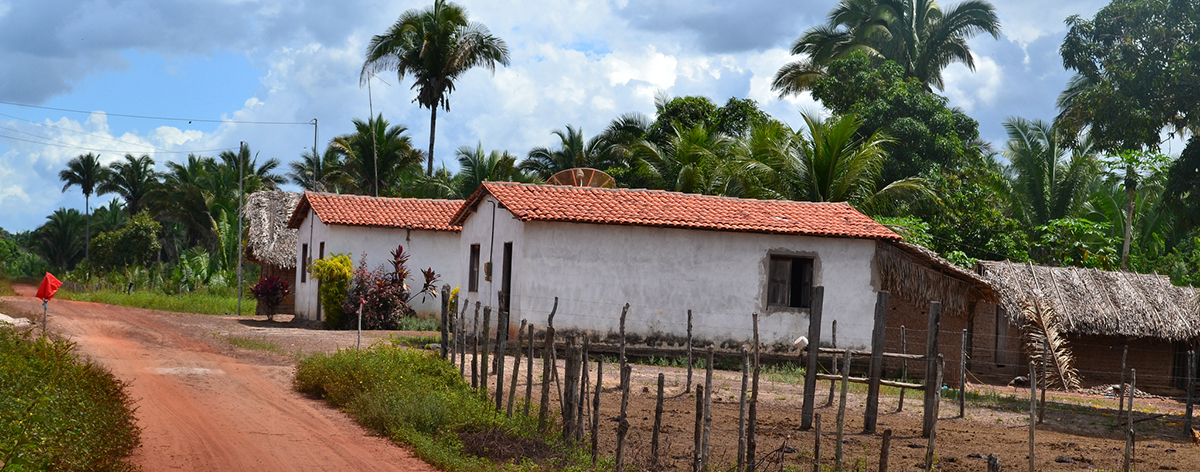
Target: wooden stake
point(1129, 436)
point(833, 364)
point(697, 455)
point(624, 362)
point(1121, 401)
point(687, 386)
point(741, 448)
point(1045, 380)
point(937, 402)
point(445, 325)
point(1032, 413)
point(529, 372)
point(708, 373)
point(596, 408)
point(993, 463)
point(752, 422)
point(501, 353)
point(884, 449)
point(475, 349)
point(623, 421)
point(814, 346)
point(841, 414)
point(903, 368)
point(962, 378)
point(570, 390)
point(931, 352)
point(512, 389)
point(658, 412)
point(1191, 384)
point(547, 368)
point(487, 347)
point(878, 335)
point(581, 408)
point(817, 442)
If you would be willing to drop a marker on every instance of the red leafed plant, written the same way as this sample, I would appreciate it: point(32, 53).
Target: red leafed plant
point(384, 296)
point(270, 292)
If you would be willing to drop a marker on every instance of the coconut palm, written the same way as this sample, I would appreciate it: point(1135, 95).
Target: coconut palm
point(317, 173)
point(573, 151)
point(59, 239)
point(132, 179)
point(367, 174)
point(693, 160)
point(435, 45)
point(86, 172)
point(476, 167)
point(1049, 180)
point(917, 34)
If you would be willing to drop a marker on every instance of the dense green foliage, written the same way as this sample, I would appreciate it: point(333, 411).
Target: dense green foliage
point(418, 399)
point(60, 411)
point(134, 244)
point(335, 273)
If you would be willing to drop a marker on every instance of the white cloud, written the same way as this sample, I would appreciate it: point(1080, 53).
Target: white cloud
point(971, 90)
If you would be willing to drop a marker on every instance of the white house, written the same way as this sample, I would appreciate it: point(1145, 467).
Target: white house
point(665, 253)
point(355, 224)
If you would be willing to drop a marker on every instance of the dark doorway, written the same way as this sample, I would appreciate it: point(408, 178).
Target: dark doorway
point(506, 277)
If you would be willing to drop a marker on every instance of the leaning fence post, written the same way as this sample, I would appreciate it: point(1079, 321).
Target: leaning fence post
point(885, 449)
point(878, 335)
point(445, 320)
point(741, 448)
point(687, 386)
point(512, 389)
point(698, 444)
point(752, 422)
point(658, 411)
point(623, 421)
point(624, 312)
point(931, 352)
point(962, 378)
point(547, 366)
point(814, 350)
point(596, 408)
point(841, 414)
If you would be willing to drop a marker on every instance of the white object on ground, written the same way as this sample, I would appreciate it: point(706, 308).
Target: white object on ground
point(800, 342)
point(18, 322)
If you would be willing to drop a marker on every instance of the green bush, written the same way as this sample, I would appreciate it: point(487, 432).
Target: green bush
point(136, 243)
point(60, 412)
point(335, 273)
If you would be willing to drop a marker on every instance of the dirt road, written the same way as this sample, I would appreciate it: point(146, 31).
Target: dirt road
point(201, 408)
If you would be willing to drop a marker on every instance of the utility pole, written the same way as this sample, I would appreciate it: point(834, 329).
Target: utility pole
point(374, 150)
point(241, 162)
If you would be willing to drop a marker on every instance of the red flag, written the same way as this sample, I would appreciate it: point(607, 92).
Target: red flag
point(48, 287)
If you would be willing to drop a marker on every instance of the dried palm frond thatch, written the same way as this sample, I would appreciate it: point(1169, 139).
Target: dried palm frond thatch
point(919, 275)
point(1047, 345)
point(1097, 302)
point(268, 239)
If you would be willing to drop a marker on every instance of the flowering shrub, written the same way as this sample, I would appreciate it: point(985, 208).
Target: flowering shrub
point(334, 273)
point(383, 295)
point(270, 292)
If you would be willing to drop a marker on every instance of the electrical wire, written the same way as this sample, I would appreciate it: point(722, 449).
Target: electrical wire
point(84, 148)
point(160, 118)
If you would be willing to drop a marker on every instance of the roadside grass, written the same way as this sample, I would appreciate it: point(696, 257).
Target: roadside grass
point(254, 344)
point(6, 288)
point(412, 323)
point(194, 302)
point(417, 341)
point(61, 411)
point(415, 398)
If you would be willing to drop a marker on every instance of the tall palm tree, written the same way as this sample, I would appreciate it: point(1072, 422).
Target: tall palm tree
point(476, 167)
point(917, 34)
point(1049, 179)
point(132, 179)
point(317, 173)
point(257, 177)
point(376, 168)
point(59, 239)
point(435, 45)
point(86, 172)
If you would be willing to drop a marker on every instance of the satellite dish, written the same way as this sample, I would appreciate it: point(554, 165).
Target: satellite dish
point(582, 177)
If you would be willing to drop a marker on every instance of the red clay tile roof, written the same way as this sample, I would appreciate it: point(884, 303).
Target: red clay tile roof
point(360, 210)
point(676, 210)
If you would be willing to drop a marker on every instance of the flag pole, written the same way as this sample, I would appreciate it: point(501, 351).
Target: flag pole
point(45, 313)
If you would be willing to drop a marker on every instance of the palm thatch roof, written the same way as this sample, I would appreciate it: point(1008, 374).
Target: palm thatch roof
point(268, 239)
point(1097, 302)
point(920, 275)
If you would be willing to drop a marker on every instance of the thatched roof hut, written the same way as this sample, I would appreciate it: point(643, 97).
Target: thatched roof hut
point(269, 241)
point(918, 274)
point(1097, 302)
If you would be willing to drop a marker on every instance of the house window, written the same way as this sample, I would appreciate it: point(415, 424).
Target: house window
point(473, 271)
point(303, 263)
point(789, 282)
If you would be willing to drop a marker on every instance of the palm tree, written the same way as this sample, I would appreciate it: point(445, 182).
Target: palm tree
point(1048, 179)
point(256, 177)
point(917, 34)
point(370, 175)
point(435, 45)
point(475, 167)
point(132, 179)
point(110, 216)
point(573, 151)
point(86, 172)
point(693, 160)
point(317, 173)
point(59, 241)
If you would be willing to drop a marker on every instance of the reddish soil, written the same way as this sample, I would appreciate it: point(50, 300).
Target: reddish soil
point(204, 404)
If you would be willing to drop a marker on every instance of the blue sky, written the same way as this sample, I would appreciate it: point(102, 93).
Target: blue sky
point(241, 62)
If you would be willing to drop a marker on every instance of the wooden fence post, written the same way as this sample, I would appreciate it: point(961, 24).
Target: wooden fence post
point(687, 386)
point(885, 449)
point(841, 414)
point(623, 420)
point(624, 362)
point(834, 363)
point(501, 353)
point(1045, 379)
point(658, 412)
point(475, 349)
point(817, 442)
point(1121, 401)
point(814, 350)
point(741, 448)
point(529, 373)
point(937, 402)
point(512, 389)
point(1191, 384)
point(752, 422)
point(547, 367)
point(993, 463)
point(1032, 412)
point(962, 378)
point(484, 365)
point(596, 408)
point(903, 368)
point(581, 403)
point(698, 440)
point(445, 320)
point(708, 393)
point(931, 352)
point(1129, 437)
point(570, 390)
point(878, 335)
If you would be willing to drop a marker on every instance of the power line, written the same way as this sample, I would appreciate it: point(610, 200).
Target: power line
point(160, 118)
point(84, 148)
point(87, 133)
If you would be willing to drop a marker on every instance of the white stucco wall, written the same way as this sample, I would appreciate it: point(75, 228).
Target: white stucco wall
point(661, 272)
point(436, 249)
point(478, 229)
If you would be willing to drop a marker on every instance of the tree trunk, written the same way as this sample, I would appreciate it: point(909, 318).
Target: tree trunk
point(1129, 191)
point(87, 235)
point(432, 129)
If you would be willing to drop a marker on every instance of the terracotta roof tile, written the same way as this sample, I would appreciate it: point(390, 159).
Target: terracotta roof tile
point(676, 210)
point(360, 210)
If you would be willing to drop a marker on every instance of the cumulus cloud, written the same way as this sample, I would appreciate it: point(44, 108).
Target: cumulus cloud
point(971, 89)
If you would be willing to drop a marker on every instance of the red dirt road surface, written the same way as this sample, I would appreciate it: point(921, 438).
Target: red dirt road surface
point(204, 409)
